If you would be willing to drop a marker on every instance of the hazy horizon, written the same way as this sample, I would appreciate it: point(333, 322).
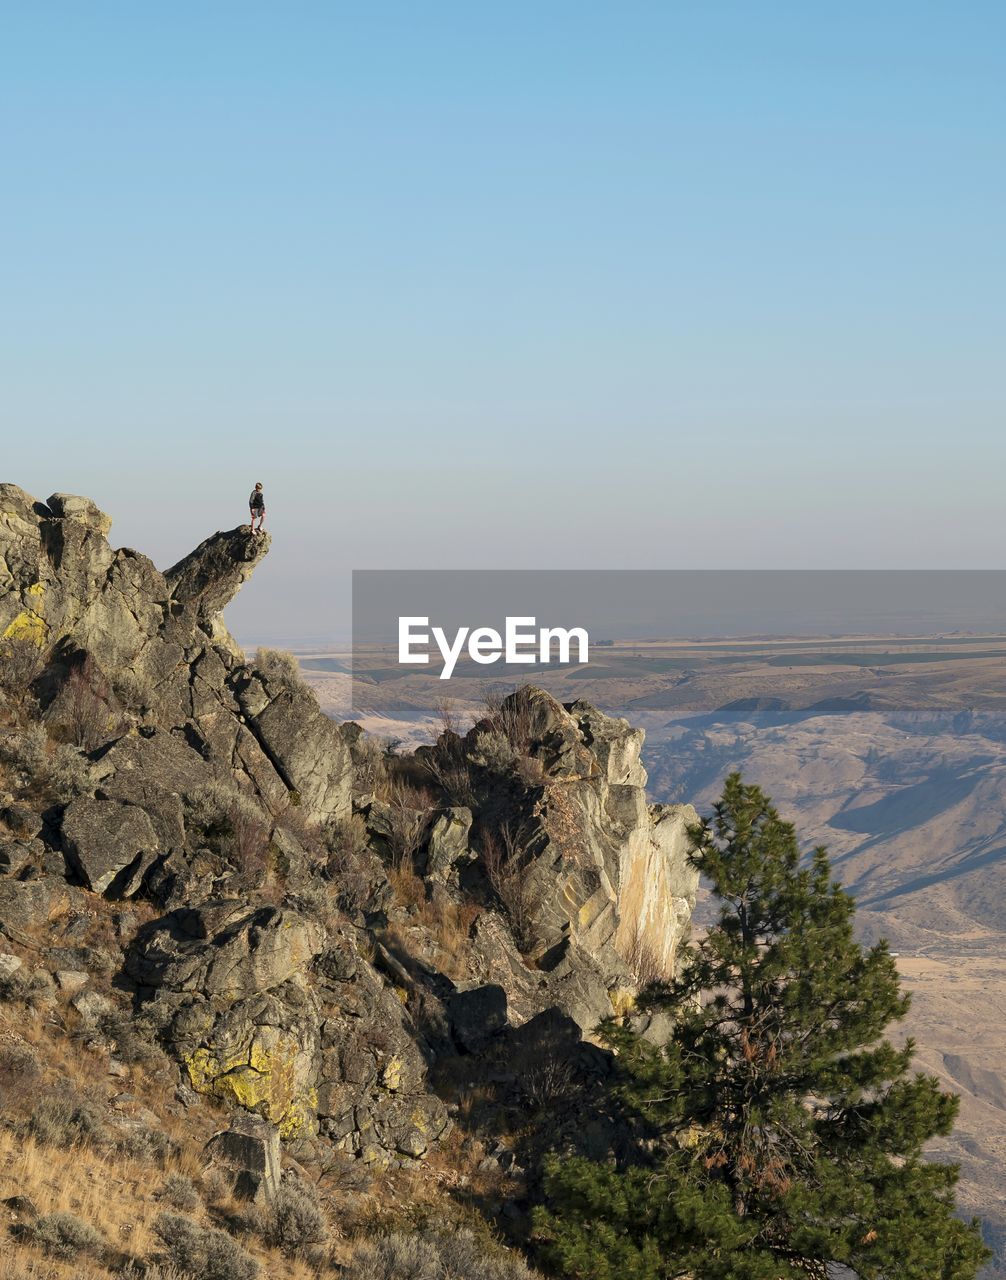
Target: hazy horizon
point(644, 287)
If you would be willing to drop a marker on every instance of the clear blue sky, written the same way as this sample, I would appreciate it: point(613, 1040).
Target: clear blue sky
point(515, 284)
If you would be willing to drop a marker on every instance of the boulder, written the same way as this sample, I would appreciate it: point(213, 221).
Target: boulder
point(8, 965)
point(225, 948)
point(476, 1014)
point(29, 904)
point(308, 752)
point(109, 843)
point(70, 981)
point(448, 845)
point(603, 870)
point(14, 857)
point(248, 1151)
point(92, 1007)
point(410, 1126)
point(23, 822)
point(67, 506)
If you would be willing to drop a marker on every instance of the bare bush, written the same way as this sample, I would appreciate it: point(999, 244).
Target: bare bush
point(446, 761)
point(22, 661)
point(449, 768)
point(508, 712)
point(84, 712)
point(507, 868)
point(409, 810)
point(348, 861)
point(548, 1082)
point(232, 824)
point(447, 713)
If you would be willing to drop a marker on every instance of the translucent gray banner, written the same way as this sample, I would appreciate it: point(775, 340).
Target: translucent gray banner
point(452, 627)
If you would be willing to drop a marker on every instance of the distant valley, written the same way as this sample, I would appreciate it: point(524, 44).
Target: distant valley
point(889, 750)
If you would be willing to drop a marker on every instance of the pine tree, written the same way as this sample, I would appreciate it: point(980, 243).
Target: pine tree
point(786, 1132)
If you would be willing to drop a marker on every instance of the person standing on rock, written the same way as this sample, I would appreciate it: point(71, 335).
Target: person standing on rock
point(256, 505)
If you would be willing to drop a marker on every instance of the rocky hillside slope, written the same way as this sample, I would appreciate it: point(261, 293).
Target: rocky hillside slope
point(344, 956)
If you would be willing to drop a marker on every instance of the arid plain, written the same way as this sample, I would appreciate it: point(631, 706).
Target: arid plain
point(889, 750)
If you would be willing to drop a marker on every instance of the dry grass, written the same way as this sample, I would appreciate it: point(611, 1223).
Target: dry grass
point(644, 962)
point(111, 1190)
point(445, 924)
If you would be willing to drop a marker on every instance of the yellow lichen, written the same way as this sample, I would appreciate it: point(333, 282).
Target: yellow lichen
point(260, 1080)
point(28, 626)
point(391, 1076)
point(623, 1001)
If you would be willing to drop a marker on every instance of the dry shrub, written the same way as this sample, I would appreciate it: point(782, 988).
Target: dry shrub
point(66, 1118)
point(507, 868)
point(548, 1082)
point(348, 865)
point(409, 814)
point(180, 1192)
point(34, 989)
point(449, 925)
point(135, 1040)
point(644, 962)
point(279, 668)
point(434, 1255)
point(65, 1236)
point(19, 1062)
point(407, 886)
point(84, 712)
point(508, 712)
point(296, 1218)
point(446, 761)
point(43, 770)
point(369, 763)
point(203, 1252)
point(493, 752)
point(22, 661)
point(232, 824)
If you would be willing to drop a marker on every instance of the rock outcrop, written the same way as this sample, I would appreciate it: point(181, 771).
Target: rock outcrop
point(278, 962)
point(157, 651)
point(610, 873)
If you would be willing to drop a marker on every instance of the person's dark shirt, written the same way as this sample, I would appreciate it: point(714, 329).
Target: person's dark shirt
point(257, 500)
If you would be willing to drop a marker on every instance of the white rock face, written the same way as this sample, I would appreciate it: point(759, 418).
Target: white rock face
point(611, 872)
point(657, 887)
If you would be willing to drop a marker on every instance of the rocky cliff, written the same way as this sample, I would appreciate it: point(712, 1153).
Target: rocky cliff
point(310, 926)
